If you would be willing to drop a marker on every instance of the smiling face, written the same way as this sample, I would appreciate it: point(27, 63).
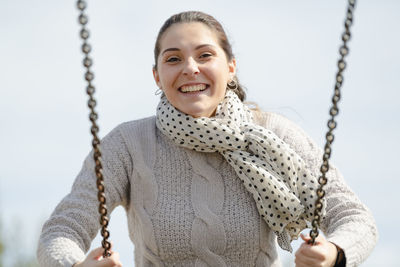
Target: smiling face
point(192, 69)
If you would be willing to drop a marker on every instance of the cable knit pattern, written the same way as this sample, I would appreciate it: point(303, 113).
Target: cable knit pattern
point(188, 208)
point(208, 236)
point(144, 188)
point(174, 226)
point(238, 215)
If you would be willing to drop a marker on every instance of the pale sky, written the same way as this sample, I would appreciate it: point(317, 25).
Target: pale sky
point(286, 55)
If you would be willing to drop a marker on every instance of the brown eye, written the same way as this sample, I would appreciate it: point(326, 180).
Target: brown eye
point(205, 55)
point(172, 59)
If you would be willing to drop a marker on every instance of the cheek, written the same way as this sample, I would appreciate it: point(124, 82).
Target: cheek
point(223, 69)
point(168, 77)
point(218, 73)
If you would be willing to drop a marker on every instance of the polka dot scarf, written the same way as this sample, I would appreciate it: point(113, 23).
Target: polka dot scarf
point(282, 187)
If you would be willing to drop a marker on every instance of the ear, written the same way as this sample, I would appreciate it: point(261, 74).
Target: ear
point(232, 67)
point(156, 77)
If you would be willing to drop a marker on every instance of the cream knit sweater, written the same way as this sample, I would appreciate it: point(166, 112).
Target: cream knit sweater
point(187, 208)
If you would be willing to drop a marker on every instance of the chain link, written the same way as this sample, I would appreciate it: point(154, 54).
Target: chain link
point(90, 89)
point(322, 180)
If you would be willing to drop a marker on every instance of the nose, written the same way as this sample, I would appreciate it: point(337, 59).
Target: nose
point(191, 67)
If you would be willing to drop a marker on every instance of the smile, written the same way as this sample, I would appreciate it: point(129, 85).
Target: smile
point(193, 88)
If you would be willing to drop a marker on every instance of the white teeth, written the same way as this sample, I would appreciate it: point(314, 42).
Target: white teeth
point(193, 88)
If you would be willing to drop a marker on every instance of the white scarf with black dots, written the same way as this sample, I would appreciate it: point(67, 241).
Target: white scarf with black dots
point(282, 187)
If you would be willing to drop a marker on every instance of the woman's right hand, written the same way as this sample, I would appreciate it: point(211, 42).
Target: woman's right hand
point(95, 259)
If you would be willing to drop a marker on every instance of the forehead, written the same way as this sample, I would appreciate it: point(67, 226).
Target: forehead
point(193, 33)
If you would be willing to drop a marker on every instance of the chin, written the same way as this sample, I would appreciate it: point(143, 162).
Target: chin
point(196, 113)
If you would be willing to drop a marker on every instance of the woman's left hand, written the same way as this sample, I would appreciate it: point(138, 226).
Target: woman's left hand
point(322, 254)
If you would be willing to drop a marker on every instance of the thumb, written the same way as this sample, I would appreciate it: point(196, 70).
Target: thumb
point(306, 238)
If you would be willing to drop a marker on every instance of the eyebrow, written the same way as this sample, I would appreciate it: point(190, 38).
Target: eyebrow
point(177, 49)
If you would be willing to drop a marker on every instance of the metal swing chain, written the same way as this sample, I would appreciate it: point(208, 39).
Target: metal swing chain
point(343, 50)
point(90, 89)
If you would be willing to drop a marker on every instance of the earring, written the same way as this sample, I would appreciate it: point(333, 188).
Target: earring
point(158, 91)
point(232, 85)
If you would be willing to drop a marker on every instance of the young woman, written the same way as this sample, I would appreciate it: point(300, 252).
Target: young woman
point(208, 181)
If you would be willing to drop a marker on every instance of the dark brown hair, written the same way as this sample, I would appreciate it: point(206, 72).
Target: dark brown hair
point(213, 24)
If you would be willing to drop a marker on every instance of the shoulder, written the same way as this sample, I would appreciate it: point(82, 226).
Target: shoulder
point(146, 122)
point(287, 130)
point(139, 136)
point(276, 122)
point(132, 131)
point(132, 128)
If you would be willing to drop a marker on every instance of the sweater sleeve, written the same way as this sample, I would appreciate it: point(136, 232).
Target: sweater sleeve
point(348, 223)
point(67, 235)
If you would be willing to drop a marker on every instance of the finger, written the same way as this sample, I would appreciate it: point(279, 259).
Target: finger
point(306, 238)
point(96, 253)
point(305, 262)
point(313, 252)
point(305, 256)
point(109, 262)
point(115, 256)
point(301, 249)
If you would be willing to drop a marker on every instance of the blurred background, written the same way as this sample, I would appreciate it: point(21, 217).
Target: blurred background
point(286, 55)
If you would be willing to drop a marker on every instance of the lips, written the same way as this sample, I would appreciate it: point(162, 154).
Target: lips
point(193, 88)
